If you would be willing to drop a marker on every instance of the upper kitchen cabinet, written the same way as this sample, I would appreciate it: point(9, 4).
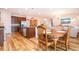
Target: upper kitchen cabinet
point(16, 20)
point(16, 23)
point(19, 19)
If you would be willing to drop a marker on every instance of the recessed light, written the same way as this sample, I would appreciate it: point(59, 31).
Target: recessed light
point(26, 8)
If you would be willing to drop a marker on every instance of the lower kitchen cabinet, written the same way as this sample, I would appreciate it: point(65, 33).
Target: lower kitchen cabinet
point(1, 37)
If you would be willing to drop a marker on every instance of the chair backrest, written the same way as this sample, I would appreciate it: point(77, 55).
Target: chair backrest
point(41, 32)
point(53, 31)
point(60, 27)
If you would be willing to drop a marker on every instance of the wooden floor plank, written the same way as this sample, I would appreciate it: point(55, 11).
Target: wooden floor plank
point(17, 42)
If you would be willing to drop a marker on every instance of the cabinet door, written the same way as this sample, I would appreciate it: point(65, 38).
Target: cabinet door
point(27, 32)
point(30, 32)
point(14, 20)
point(19, 19)
point(1, 37)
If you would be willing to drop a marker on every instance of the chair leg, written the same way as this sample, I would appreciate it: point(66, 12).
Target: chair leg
point(67, 46)
point(55, 42)
point(46, 48)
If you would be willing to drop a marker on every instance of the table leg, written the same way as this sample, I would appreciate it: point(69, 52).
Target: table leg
point(55, 42)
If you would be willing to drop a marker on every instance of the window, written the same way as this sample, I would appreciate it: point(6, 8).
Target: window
point(65, 20)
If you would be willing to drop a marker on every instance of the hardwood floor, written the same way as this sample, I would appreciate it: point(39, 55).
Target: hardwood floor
point(19, 43)
point(16, 42)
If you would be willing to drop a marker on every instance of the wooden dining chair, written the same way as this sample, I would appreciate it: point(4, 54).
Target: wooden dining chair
point(65, 39)
point(42, 38)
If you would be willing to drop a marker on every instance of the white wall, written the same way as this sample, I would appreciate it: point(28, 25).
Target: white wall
point(56, 20)
point(6, 20)
point(74, 20)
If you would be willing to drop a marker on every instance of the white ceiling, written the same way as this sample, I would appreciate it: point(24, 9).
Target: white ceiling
point(43, 11)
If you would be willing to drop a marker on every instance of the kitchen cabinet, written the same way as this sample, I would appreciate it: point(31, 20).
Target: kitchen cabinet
point(1, 36)
point(30, 32)
point(16, 23)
